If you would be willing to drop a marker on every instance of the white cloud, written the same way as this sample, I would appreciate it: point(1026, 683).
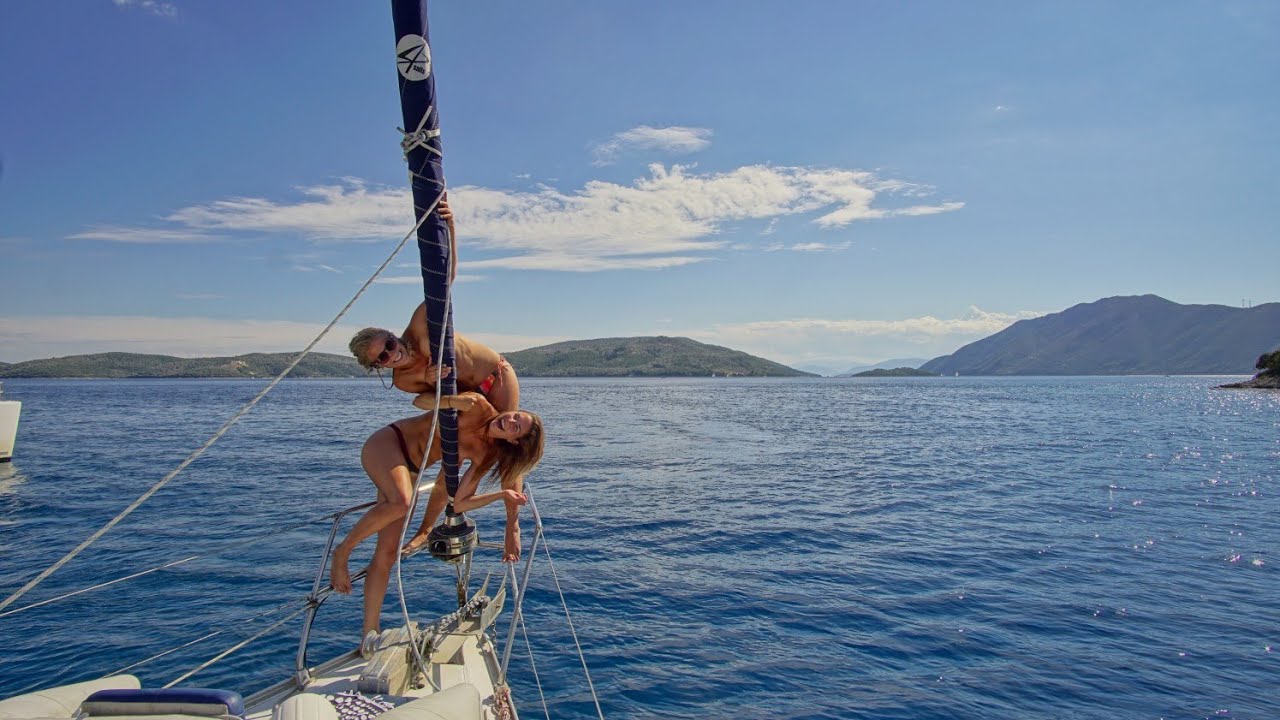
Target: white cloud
point(145, 236)
point(579, 263)
point(848, 342)
point(675, 140)
point(30, 337)
point(348, 211)
point(153, 6)
point(673, 216)
point(25, 338)
point(820, 247)
point(417, 279)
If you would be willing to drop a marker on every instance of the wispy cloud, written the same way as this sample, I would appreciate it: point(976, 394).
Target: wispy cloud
point(145, 236)
point(299, 267)
point(28, 337)
point(670, 217)
point(674, 140)
point(417, 279)
point(199, 296)
point(347, 211)
point(975, 321)
point(810, 247)
point(847, 342)
point(155, 7)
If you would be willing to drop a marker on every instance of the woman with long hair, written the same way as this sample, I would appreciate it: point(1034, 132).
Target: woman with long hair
point(505, 445)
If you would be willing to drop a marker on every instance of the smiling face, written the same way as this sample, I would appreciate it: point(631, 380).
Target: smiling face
point(511, 426)
point(387, 351)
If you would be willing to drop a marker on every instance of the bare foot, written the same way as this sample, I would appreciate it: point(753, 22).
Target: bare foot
point(416, 543)
point(339, 576)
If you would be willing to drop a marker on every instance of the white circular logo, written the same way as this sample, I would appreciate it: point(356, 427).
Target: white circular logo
point(413, 57)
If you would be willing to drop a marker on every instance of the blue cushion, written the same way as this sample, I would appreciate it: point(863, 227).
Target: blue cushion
point(164, 701)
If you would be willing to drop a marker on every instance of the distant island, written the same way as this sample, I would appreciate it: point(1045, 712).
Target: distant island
point(1142, 335)
point(608, 357)
point(891, 364)
point(644, 357)
point(893, 372)
point(1268, 377)
point(136, 365)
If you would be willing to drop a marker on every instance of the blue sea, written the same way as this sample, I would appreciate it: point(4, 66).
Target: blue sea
point(839, 548)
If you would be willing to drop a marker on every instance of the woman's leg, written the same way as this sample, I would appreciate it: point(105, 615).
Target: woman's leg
point(435, 505)
point(384, 463)
point(375, 582)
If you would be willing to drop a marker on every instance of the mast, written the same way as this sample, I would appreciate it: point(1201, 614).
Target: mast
point(424, 154)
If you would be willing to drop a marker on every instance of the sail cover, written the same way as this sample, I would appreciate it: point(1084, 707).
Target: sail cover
point(424, 154)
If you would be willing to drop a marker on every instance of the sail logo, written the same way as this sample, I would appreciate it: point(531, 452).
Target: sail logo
point(413, 57)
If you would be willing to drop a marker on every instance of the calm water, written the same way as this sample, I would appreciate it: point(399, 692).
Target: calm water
point(949, 548)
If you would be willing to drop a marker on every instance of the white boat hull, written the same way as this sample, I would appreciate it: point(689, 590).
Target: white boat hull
point(9, 411)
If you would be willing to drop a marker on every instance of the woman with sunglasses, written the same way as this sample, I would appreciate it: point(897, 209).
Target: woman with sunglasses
point(408, 357)
point(480, 368)
point(505, 446)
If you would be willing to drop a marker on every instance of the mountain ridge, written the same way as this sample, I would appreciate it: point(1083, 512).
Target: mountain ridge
point(1123, 335)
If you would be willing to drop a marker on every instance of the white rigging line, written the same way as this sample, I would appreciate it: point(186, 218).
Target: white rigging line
point(533, 665)
point(200, 639)
point(236, 647)
point(221, 431)
point(547, 549)
point(163, 566)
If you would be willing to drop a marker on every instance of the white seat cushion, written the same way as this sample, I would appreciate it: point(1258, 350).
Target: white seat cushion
point(460, 702)
point(63, 701)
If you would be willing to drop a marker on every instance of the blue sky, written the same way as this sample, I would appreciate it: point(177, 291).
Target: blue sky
point(820, 183)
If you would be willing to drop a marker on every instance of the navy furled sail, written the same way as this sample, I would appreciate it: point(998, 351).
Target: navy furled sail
point(425, 156)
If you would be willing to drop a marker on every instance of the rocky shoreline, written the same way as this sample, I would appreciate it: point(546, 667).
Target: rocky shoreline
point(1264, 380)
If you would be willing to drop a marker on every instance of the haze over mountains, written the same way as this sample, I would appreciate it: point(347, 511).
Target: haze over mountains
point(884, 365)
point(606, 357)
point(1114, 336)
point(1135, 335)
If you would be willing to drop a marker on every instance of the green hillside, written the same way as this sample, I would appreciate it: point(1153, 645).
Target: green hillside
point(133, 365)
point(643, 357)
point(895, 372)
point(610, 357)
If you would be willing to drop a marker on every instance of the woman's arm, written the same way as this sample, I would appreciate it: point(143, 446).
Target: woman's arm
point(466, 499)
point(461, 402)
point(511, 541)
point(446, 214)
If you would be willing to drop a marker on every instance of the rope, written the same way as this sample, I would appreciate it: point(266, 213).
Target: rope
point(217, 435)
point(547, 549)
point(201, 639)
point(165, 566)
point(431, 438)
point(236, 647)
point(524, 628)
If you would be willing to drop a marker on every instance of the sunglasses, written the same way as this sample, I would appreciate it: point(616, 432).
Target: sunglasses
point(387, 349)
